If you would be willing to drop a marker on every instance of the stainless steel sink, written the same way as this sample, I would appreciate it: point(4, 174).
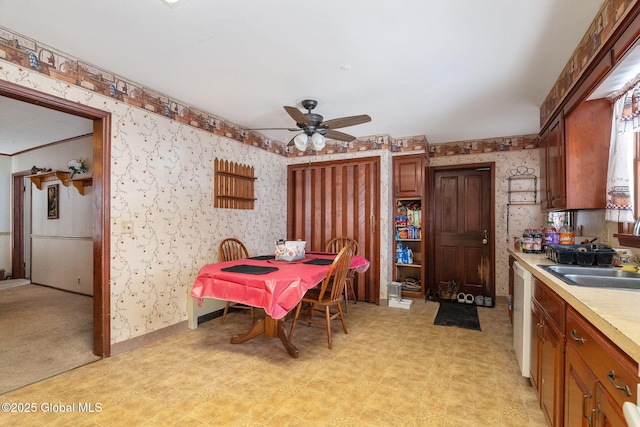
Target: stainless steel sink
point(604, 282)
point(597, 277)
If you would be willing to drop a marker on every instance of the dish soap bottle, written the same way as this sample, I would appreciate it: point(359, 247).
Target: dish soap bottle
point(566, 234)
point(550, 235)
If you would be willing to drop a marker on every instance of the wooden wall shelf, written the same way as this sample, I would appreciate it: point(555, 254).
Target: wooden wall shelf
point(62, 176)
point(80, 183)
point(39, 178)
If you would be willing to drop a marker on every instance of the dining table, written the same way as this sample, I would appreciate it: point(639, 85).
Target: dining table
point(275, 285)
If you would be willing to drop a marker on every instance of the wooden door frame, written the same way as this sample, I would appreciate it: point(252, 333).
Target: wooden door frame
point(101, 206)
point(431, 220)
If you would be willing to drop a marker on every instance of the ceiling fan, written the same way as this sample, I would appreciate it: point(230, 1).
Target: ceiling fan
point(315, 129)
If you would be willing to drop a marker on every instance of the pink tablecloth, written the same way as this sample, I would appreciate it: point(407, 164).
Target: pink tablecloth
point(277, 292)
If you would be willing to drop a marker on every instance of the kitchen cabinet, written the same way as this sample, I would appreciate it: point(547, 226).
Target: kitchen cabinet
point(599, 377)
point(409, 219)
point(408, 176)
point(575, 157)
point(547, 351)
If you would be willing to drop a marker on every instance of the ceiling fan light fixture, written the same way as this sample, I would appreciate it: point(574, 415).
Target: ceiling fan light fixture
point(318, 141)
point(300, 141)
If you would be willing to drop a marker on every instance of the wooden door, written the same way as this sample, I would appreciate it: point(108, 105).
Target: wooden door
point(462, 205)
point(18, 250)
point(340, 198)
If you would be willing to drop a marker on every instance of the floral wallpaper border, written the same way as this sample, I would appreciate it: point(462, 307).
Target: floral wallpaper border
point(604, 24)
point(40, 58)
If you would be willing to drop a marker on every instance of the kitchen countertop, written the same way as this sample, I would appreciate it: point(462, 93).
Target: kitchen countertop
point(615, 312)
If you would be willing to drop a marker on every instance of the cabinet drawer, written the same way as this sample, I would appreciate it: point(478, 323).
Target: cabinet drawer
point(552, 304)
point(603, 357)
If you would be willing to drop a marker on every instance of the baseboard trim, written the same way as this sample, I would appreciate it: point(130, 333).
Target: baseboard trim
point(133, 343)
point(210, 316)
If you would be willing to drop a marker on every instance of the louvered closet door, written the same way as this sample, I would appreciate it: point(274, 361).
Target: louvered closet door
point(341, 198)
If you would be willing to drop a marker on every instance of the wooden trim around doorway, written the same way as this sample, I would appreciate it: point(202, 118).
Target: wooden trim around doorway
point(101, 185)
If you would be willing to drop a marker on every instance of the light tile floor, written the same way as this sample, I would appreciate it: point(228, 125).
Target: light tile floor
point(394, 368)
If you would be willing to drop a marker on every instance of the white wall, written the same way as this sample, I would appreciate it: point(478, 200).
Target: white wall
point(61, 249)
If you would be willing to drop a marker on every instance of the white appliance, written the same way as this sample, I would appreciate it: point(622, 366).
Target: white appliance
point(631, 412)
point(522, 288)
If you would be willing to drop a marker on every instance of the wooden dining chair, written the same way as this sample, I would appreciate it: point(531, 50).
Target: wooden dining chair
point(334, 246)
point(232, 249)
point(328, 294)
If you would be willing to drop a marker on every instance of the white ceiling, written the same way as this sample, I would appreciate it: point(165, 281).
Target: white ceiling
point(447, 69)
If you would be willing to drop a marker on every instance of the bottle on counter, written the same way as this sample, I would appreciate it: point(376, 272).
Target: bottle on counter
point(551, 236)
point(566, 234)
point(527, 241)
point(536, 247)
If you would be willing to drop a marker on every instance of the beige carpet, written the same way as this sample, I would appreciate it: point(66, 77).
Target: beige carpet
point(43, 332)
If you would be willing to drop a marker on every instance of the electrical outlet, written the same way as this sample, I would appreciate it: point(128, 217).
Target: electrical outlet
point(78, 280)
point(604, 236)
point(126, 227)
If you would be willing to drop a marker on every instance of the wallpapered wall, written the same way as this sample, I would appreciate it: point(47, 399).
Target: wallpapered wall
point(520, 217)
point(162, 180)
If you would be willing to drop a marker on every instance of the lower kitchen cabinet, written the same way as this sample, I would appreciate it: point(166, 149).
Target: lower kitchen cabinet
point(599, 376)
point(547, 351)
point(579, 391)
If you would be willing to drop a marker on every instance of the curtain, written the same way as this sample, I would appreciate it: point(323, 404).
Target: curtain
point(626, 121)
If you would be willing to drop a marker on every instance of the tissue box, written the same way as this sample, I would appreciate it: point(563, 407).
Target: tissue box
point(290, 251)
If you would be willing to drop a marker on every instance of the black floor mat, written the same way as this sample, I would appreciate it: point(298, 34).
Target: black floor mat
point(459, 315)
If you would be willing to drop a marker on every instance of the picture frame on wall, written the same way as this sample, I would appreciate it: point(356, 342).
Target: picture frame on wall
point(52, 201)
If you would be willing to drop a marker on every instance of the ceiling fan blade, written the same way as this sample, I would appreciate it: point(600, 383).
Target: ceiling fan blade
point(340, 136)
point(297, 115)
point(291, 129)
point(343, 122)
point(292, 142)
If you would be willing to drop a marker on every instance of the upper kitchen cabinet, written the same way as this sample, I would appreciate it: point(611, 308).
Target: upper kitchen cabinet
point(552, 165)
point(575, 157)
point(408, 173)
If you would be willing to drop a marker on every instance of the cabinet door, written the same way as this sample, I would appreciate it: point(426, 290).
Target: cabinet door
point(536, 328)
point(579, 389)
point(408, 172)
point(551, 373)
point(587, 132)
point(555, 161)
point(607, 412)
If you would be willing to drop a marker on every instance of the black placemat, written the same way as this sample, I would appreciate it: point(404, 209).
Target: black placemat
point(319, 261)
point(249, 269)
point(263, 257)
